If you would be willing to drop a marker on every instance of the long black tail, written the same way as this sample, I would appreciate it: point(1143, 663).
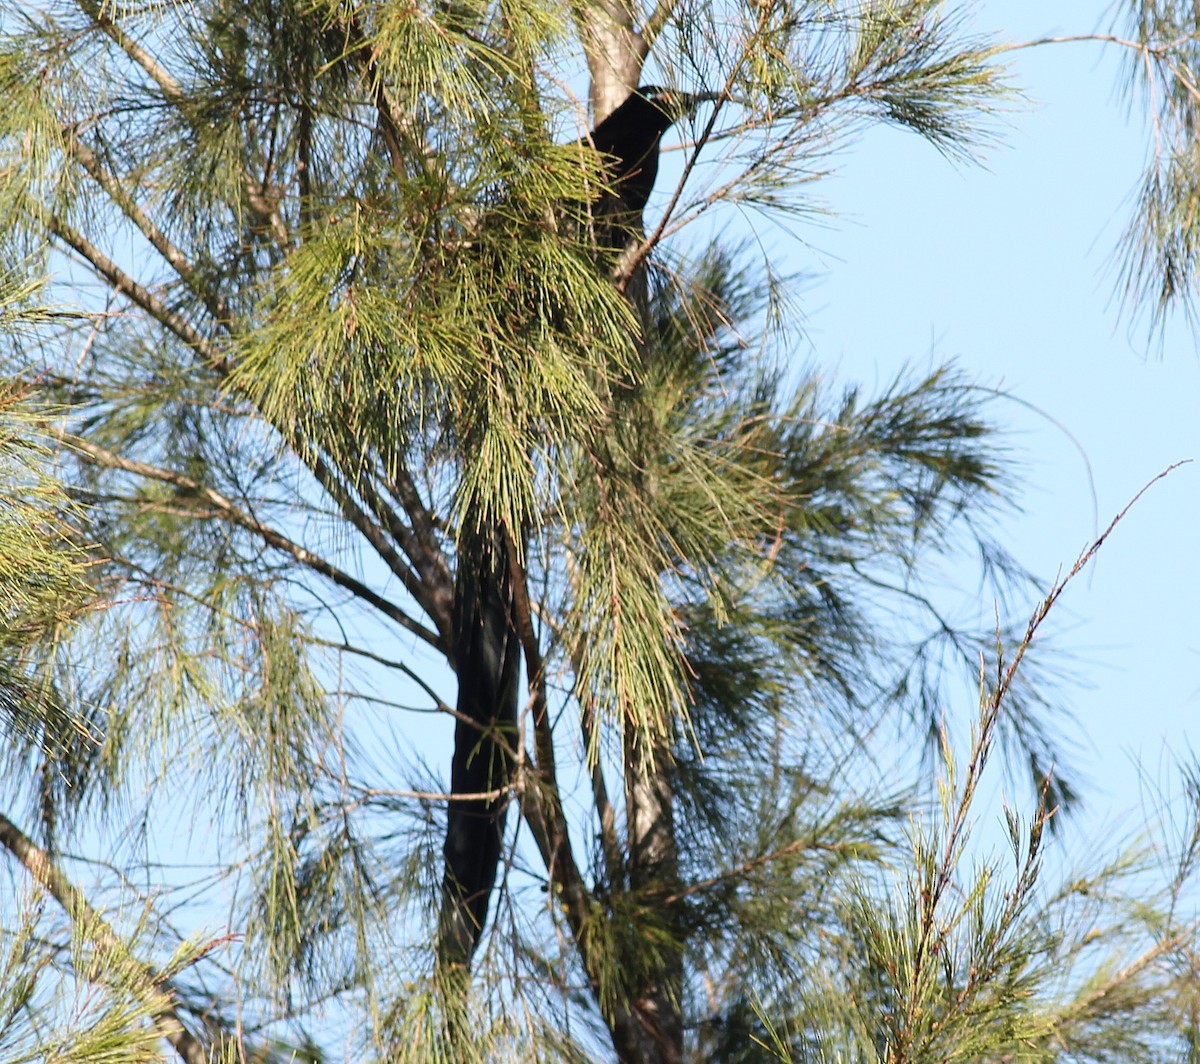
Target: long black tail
point(487, 659)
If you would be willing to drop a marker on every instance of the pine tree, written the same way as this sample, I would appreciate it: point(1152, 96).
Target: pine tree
point(341, 319)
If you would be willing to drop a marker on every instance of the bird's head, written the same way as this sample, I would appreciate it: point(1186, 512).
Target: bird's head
point(673, 104)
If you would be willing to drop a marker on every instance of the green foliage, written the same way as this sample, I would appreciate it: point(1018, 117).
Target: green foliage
point(336, 299)
point(45, 583)
point(954, 956)
point(1159, 260)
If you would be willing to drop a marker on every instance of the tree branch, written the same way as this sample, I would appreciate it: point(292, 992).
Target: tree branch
point(392, 124)
point(535, 666)
point(658, 19)
point(437, 607)
point(541, 807)
point(153, 989)
point(349, 648)
point(416, 539)
point(615, 52)
point(430, 559)
point(235, 515)
point(125, 285)
point(178, 261)
point(174, 93)
point(389, 127)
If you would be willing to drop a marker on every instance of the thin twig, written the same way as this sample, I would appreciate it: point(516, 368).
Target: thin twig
point(229, 511)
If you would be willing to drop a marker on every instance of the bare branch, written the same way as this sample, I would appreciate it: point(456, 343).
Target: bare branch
point(417, 540)
point(389, 663)
point(1039, 615)
point(229, 511)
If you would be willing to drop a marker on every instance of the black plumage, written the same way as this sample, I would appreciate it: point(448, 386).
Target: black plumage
point(630, 140)
point(485, 646)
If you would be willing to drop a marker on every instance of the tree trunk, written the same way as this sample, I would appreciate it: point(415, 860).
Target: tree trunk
point(616, 50)
point(653, 875)
point(615, 53)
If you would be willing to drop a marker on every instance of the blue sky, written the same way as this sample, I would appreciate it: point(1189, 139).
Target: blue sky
point(1008, 268)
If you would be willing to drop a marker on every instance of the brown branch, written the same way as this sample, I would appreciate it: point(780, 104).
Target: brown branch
point(432, 796)
point(436, 606)
point(542, 811)
point(173, 91)
point(401, 486)
point(178, 261)
point(610, 844)
point(389, 128)
point(541, 807)
point(1077, 38)
point(392, 124)
point(1039, 615)
point(535, 666)
point(388, 663)
point(427, 555)
point(230, 512)
point(134, 291)
point(171, 88)
point(417, 540)
point(153, 989)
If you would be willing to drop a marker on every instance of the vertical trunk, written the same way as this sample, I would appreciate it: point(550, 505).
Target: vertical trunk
point(657, 998)
point(653, 875)
point(648, 1028)
point(615, 52)
point(486, 654)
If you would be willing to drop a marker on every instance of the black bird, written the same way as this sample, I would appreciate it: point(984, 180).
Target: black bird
point(485, 646)
point(630, 139)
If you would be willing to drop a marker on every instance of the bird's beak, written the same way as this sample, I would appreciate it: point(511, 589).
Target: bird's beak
point(685, 103)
